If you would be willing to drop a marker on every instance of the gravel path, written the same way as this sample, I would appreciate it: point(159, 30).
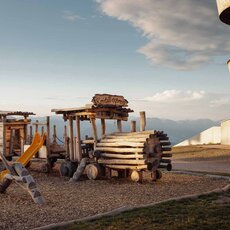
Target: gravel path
point(67, 201)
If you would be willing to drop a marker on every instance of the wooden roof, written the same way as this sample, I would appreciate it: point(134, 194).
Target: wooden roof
point(104, 106)
point(15, 113)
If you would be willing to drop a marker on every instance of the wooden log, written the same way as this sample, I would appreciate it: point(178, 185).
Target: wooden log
point(71, 149)
point(133, 127)
point(65, 137)
point(94, 130)
point(119, 126)
point(48, 135)
point(42, 130)
point(168, 161)
point(133, 133)
point(139, 167)
point(119, 150)
point(36, 126)
point(141, 140)
point(31, 134)
point(167, 155)
point(128, 137)
point(103, 128)
point(142, 121)
point(78, 152)
point(136, 176)
point(166, 149)
point(119, 161)
point(123, 156)
point(93, 171)
point(165, 143)
point(120, 144)
point(54, 134)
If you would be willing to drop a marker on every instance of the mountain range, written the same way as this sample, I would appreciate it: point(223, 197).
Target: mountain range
point(176, 130)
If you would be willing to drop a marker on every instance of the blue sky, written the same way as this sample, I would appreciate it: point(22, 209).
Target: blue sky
point(59, 53)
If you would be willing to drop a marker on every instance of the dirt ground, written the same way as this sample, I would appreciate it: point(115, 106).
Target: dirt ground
point(66, 201)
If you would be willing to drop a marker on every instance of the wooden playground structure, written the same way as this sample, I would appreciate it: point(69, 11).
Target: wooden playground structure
point(128, 153)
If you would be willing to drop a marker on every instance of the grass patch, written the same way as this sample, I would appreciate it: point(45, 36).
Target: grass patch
point(209, 212)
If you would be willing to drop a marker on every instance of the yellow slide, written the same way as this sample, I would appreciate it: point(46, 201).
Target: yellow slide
point(25, 158)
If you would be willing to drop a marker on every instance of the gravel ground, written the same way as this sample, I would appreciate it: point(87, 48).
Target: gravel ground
point(67, 201)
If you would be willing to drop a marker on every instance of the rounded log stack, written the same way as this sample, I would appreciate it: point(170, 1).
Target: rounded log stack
point(135, 151)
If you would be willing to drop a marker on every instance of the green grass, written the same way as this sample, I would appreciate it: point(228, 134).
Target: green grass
point(209, 212)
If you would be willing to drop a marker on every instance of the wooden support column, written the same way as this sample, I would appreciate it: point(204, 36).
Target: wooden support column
point(31, 135)
point(36, 126)
point(4, 135)
point(65, 136)
point(42, 130)
point(119, 126)
point(54, 134)
point(142, 121)
point(94, 130)
point(48, 135)
point(103, 128)
point(78, 140)
point(133, 127)
point(71, 138)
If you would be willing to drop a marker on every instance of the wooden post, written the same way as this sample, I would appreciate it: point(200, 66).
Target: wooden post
point(48, 135)
point(4, 135)
point(78, 140)
point(54, 134)
point(42, 130)
point(65, 136)
point(133, 127)
point(103, 128)
point(142, 121)
point(94, 129)
point(119, 126)
point(31, 135)
point(36, 126)
point(12, 131)
point(71, 138)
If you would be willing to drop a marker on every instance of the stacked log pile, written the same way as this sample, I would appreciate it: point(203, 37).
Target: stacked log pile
point(137, 151)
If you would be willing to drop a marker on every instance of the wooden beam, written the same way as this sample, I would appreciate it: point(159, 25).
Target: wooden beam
point(142, 121)
point(116, 161)
point(78, 156)
point(127, 167)
point(119, 126)
point(133, 127)
point(122, 156)
point(71, 143)
point(103, 127)
point(94, 130)
point(121, 144)
point(143, 139)
point(119, 150)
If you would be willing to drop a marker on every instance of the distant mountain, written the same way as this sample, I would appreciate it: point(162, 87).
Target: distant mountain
point(176, 130)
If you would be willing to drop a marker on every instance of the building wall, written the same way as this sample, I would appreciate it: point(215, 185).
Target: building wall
point(209, 136)
point(225, 132)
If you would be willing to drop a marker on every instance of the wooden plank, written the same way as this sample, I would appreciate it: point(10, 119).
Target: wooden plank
point(132, 133)
point(141, 140)
point(127, 167)
point(121, 144)
point(129, 137)
point(123, 156)
point(116, 161)
point(133, 127)
point(119, 150)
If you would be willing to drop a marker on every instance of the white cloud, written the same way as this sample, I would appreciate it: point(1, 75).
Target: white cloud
point(220, 102)
point(183, 34)
point(169, 96)
point(70, 16)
